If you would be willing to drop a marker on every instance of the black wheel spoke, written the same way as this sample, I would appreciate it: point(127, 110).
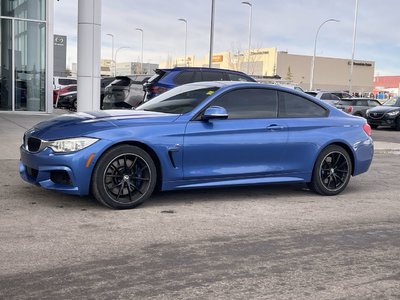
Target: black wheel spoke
point(334, 171)
point(127, 178)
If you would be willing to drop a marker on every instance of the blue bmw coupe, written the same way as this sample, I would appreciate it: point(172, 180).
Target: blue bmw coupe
point(198, 135)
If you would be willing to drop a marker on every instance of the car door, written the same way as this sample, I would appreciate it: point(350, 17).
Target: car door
point(307, 128)
point(249, 143)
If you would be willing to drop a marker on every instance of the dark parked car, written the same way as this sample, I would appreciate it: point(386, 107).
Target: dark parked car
point(166, 79)
point(357, 106)
point(63, 90)
point(388, 114)
point(124, 92)
point(68, 100)
point(198, 135)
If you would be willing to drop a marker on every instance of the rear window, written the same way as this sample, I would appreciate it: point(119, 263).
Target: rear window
point(123, 81)
point(156, 77)
point(66, 81)
point(184, 77)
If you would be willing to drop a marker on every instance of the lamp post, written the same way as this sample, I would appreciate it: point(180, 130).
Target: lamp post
point(115, 59)
point(112, 49)
point(250, 21)
point(354, 48)
point(211, 33)
point(185, 21)
point(315, 50)
point(141, 56)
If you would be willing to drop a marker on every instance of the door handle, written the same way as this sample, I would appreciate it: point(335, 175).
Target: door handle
point(275, 127)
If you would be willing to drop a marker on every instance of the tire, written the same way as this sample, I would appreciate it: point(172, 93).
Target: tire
point(373, 126)
point(397, 126)
point(332, 171)
point(124, 177)
point(75, 105)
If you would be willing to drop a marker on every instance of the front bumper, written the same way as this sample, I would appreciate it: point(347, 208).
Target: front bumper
point(68, 173)
point(381, 122)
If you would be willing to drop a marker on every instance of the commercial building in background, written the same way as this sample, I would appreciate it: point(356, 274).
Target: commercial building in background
point(26, 56)
point(125, 68)
point(60, 56)
point(386, 86)
point(329, 74)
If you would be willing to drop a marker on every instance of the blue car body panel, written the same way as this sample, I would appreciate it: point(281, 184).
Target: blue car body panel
point(193, 153)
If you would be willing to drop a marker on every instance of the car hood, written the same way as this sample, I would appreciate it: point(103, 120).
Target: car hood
point(383, 109)
point(83, 124)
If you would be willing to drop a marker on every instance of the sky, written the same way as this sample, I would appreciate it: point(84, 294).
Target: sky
point(288, 25)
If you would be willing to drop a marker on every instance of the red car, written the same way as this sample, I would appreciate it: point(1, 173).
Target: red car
point(63, 90)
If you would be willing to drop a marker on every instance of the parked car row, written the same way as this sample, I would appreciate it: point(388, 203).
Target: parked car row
point(133, 90)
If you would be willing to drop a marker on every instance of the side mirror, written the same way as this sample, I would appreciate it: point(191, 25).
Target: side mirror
point(214, 112)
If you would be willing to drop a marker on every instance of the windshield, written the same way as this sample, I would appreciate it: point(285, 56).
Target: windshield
point(392, 102)
point(179, 100)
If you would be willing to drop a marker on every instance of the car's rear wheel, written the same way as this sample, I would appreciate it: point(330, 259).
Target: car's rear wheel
point(124, 177)
point(332, 171)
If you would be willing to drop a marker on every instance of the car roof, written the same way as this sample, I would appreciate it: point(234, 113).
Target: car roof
point(199, 68)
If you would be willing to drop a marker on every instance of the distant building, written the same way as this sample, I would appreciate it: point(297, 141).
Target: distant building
point(125, 68)
point(386, 86)
point(329, 74)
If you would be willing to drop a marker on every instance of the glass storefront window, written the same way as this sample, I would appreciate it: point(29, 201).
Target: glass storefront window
point(30, 64)
point(23, 9)
point(5, 64)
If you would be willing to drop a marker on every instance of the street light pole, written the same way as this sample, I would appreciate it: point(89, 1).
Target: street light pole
point(112, 49)
point(185, 21)
point(354, 48)
point(141, 56)
point(211, 33)
point(116, 53)
point(250, 21)
point(315, 50)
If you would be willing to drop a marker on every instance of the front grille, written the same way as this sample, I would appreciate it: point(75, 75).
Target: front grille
point(375, 115)
point(33, 144)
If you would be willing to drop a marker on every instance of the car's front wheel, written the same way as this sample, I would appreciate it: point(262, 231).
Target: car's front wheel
point(124, 177)
point(332, 171)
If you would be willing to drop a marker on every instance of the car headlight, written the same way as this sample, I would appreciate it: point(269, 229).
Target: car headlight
point(70, 145)
point(393, 113)
point(367, 112)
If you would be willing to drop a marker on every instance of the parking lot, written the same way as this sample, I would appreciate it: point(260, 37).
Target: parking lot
point(260, 242)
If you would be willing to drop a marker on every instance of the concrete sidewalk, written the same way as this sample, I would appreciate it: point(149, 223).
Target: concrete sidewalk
point(13, 126)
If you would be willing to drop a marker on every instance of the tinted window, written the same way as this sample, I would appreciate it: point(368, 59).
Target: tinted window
point(373, 103)
point(293, 106)
point(184, 77)
point(237, 77)
point(249, 103)
point(361, 103)
point(179, 100)
point(212, 76)
point(66, 81)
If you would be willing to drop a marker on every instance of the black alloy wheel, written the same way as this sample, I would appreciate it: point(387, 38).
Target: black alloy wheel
point(332, 171)
point(124, 177)
point(398, 124)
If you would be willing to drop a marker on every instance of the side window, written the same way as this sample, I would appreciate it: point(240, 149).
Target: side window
point(212, 76)
point(326, 96)
point(373, 103)
point(249, 103)
point(294, 106)
point(184, 77)
point(237, 77)
point(361, 103)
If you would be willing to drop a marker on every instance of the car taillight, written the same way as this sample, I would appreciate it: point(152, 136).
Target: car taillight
point(349, 109)
point(367, 129)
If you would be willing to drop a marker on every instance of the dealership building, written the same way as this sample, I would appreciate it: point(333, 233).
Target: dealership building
point(26, 63)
